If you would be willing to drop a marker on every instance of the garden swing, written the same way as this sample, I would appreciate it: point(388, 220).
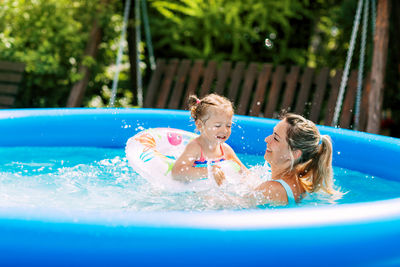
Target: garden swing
point(261, 89)
point(138, 39)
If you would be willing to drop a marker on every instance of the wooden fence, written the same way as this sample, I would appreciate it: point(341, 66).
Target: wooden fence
point(257, 89)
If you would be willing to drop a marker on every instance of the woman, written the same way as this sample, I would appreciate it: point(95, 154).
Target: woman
point(300, 160)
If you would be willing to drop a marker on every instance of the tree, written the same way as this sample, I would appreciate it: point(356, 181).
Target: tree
point(50, 37)
point(92, 47)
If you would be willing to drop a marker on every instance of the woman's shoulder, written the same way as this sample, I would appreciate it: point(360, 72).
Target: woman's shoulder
point(273, 190)
point(273, 184)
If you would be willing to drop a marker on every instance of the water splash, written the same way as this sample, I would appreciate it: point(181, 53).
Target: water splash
point(100, 179)
point(268, 43)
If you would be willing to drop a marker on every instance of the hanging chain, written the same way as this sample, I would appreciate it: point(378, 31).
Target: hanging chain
point(148, 35)
point(119, 55)
point(373, 20)
point(361, 67)
point(345, 76)
point(138, 40)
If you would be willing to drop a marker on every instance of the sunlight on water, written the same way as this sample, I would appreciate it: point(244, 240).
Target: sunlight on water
point(101, 179)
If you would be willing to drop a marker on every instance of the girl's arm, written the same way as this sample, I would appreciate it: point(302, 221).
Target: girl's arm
point(183, 169)
point(231, 155)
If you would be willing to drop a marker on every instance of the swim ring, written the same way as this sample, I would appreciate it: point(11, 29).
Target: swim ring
point(152, 154)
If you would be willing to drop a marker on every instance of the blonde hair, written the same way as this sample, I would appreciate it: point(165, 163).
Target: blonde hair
point(314, 167)
point(200, 108)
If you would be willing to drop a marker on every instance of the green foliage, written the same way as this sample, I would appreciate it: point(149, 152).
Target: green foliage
point(50, 37)
point(332, 36)
point(229, 29)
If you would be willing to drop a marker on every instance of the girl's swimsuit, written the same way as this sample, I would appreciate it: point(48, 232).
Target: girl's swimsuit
point(289, 192)
point(202, 162)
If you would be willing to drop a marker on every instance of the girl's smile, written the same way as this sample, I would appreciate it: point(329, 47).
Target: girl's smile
point(217, 128)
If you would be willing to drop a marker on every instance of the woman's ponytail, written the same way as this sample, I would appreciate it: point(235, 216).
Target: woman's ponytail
point(314, 167)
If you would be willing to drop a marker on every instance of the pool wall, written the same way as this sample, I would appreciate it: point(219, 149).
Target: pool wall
point(364, 234)
point(373, 154)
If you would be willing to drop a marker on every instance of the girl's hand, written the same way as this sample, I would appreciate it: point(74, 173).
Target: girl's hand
point(219, 175)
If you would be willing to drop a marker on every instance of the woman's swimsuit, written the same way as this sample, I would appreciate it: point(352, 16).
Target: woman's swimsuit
point(289, 192)
point(202, 162)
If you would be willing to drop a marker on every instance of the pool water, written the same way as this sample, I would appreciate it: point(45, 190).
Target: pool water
point(86, 178)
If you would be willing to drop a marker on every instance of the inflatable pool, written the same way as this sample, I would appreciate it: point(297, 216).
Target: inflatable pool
point(358, 234)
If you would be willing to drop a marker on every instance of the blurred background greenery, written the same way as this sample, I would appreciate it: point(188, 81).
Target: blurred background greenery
point(50, 36)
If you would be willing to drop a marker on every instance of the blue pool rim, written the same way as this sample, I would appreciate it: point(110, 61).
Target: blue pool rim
point(346, 235)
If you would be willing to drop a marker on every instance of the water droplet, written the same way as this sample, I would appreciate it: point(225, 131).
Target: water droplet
point(268, 43)
point(334, 31)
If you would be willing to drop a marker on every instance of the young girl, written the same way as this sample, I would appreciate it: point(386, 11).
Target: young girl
point(213, 118)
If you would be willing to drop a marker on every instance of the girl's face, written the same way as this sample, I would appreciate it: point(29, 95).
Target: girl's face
point(217, 128)
point(277, 152)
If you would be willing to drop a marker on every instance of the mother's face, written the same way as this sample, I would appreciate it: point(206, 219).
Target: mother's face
point(278, 152)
